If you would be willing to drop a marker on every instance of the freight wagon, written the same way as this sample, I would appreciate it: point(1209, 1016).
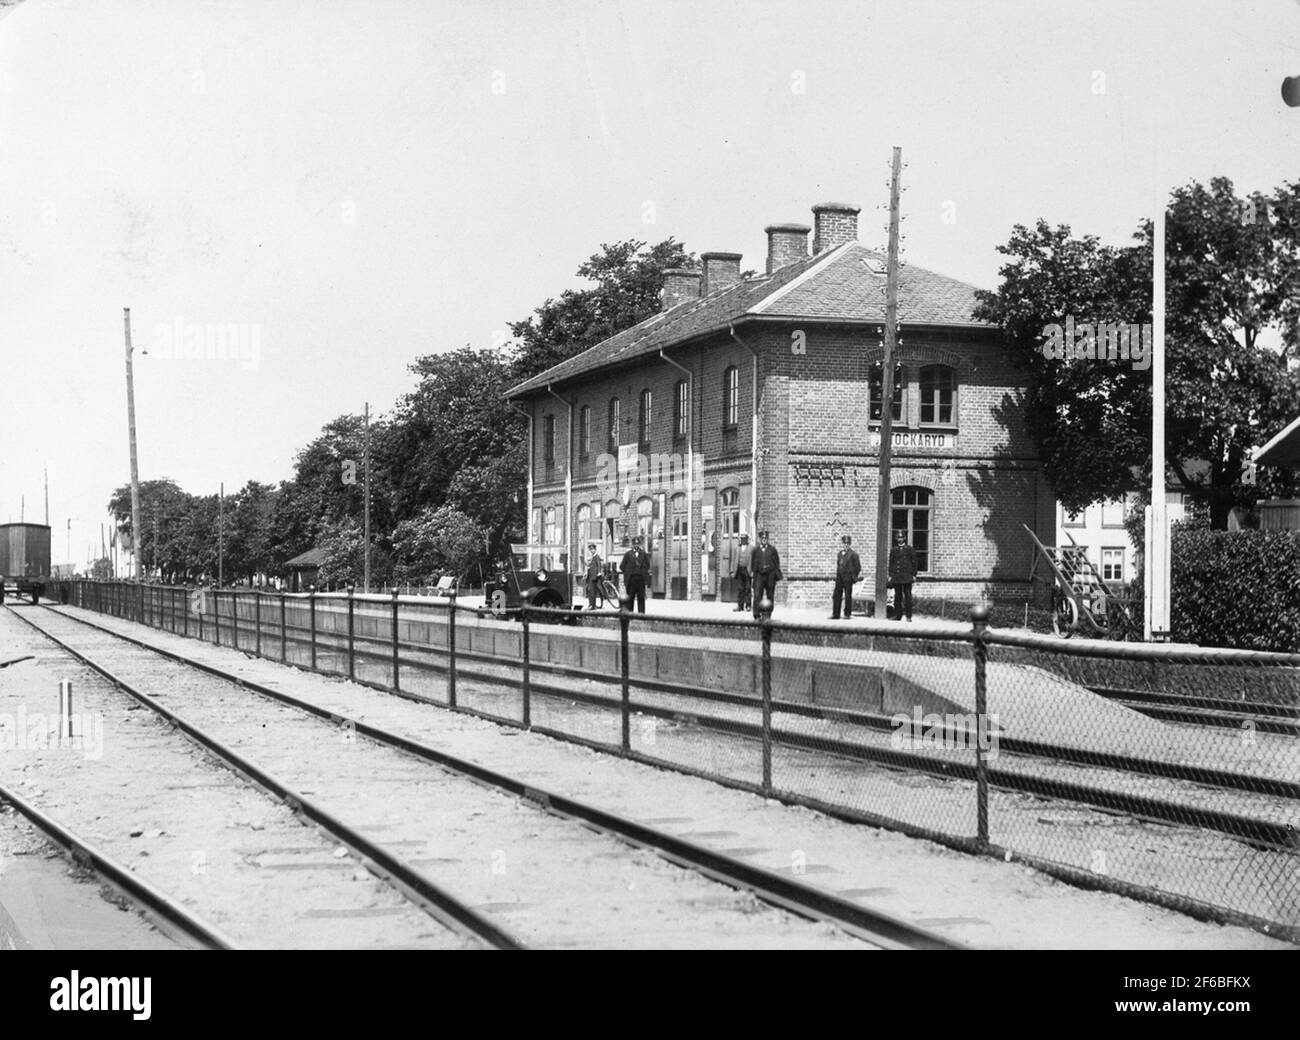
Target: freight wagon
point(24, 559)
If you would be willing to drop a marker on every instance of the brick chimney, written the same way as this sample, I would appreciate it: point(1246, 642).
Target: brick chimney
point(680, 284)
point(834, 224)
point(786, 243)
point(720, 270)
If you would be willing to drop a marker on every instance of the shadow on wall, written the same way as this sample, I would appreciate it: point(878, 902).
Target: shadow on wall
point(1005, 492)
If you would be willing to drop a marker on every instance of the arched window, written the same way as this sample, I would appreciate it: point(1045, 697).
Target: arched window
point(729, 512)
point(614, 437)
point(584, 431)
point(731, 396)
point(938, 395)
point(677, 510)
point(877, 391)
point(680, 404)
point(645, 418)
point(911, 512)
point(645, 517)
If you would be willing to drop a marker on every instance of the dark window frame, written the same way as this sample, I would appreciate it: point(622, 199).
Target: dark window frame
point(613, 437)
point(645, 417)
point(731, 397)
point(584, 431)
point(898, 503)
point(932, 390)
point(681, 404)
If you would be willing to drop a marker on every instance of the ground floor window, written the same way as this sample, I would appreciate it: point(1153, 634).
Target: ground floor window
point(550, 529)
point(911, 513)
point(1112, 565)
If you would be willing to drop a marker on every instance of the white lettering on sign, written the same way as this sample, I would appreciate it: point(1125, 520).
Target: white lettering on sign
point(916, 439)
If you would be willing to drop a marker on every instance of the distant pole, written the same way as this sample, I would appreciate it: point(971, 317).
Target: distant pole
point(887, 393)
point(47, 496)
point(68, 545)
point(365, 584)
point(135, 468)
point(221, 535)
point(1157, 555)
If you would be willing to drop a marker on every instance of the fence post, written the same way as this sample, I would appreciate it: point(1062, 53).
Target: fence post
point(203, 602)
point(139, 614)
point(311, 605)
point(979, 616)
point(351, 667)
point(765, 610)
point(624, 620)
point(257, 622)
point(396, 679)
point(528, 686)
point(284, 635)
point(451, 649)
point(216, 614)
point(185, 611)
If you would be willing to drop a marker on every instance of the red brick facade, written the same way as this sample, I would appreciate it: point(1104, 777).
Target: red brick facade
point(961, 446)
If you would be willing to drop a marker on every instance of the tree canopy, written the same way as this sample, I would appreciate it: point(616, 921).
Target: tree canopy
point(1232, 337)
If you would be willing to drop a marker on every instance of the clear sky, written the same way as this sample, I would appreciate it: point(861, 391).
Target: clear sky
point(357, 183)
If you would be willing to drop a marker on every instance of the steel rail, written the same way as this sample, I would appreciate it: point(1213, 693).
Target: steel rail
point(118, 877)
point(431, 898)
point(1226, 779)
point(872, 925)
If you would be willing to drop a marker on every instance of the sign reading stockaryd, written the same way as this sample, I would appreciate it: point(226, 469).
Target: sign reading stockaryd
point(918, 439)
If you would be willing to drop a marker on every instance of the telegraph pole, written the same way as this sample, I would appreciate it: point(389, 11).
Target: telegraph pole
point(135, 469)
point(221, 534)
point(365, 584)
point(887, 394)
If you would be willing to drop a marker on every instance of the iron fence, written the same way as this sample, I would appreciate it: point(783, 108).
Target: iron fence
point(1169, 774)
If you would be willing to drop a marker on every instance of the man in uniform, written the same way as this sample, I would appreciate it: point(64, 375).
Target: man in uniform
point(765, 567)
point(636, 572)
point(902, 572)
point(592, 581)
point(742, 575)
point(848, 568)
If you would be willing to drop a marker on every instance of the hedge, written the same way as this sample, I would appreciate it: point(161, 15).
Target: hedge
point(1236, 588)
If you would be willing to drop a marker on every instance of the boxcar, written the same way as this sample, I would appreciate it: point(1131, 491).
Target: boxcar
point(24, 559)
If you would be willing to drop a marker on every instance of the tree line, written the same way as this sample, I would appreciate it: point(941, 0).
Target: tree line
point(449, 465)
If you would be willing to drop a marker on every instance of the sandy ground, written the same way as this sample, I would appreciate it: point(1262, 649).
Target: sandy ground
point(974, 900)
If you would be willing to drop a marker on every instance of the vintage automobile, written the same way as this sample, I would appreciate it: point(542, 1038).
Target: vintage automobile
point(535, 575)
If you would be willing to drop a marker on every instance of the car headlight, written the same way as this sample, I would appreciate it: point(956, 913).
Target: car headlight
point(541, 577)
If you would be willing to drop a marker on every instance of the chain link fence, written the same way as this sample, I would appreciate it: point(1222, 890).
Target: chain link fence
point(1165, 773)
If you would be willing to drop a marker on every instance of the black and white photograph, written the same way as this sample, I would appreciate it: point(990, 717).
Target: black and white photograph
point(651, 476)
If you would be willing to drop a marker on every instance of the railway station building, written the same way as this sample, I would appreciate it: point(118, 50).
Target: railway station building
point(750, 404)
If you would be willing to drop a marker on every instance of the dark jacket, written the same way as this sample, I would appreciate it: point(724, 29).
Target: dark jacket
point(594, 567)
point(902, 565)
point(742, 562)
point(765, 560)
point(636, 564)
point(847, 565)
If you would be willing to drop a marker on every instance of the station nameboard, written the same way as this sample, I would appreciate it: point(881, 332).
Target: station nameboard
point(920, 439)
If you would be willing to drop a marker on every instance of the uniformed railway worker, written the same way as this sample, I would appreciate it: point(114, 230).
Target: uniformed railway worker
point(902, 573)
point(848, 568)
point(594, 574)
point(636, 572)
point(765, 567)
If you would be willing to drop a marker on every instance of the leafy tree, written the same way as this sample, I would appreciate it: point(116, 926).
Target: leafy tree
point(438, 541)
point(629, 278)
point(1231, 285)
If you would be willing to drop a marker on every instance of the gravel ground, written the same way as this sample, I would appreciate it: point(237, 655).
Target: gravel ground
point(551, 882)
point(968, 898)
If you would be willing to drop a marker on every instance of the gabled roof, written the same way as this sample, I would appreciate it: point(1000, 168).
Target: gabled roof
point(846, 283)
point(1284, 449)
point(310, 558)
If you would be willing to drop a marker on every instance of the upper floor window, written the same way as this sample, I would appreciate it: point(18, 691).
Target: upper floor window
point(646, 418)
point(1112, 513)
point(938, 395)
point(877, 391)
point(613, 426)
point(731, 396)
point(584, 431)
point(680, 403)
point(548, 439)
point(1078, 518)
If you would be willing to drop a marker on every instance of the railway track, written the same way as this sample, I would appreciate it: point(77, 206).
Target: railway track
point(1016, 771)
point(168, 914)
point(852, 922)
point(1221, 712)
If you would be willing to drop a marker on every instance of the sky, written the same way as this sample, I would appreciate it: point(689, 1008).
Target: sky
point(339, 187)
